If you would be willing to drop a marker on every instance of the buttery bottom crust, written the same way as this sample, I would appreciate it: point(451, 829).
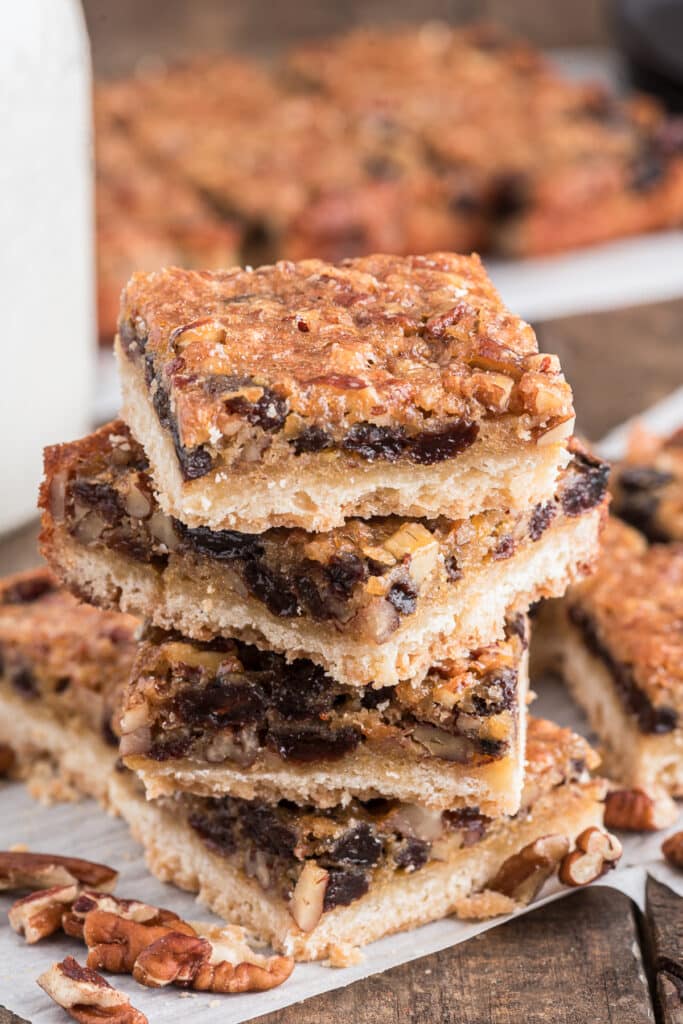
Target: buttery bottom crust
point(474, 617)
point(649, 761)
point(318, 493)
point(175, 854)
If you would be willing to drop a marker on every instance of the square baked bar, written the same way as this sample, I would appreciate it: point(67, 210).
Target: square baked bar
point(303, 393)
point(226, 718)
point(373, 601)
point(315, 882)
point(617, 639)
point(647, 486)
point(63, 668)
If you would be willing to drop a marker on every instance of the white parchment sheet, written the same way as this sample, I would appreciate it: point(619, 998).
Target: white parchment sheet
point(84, 830)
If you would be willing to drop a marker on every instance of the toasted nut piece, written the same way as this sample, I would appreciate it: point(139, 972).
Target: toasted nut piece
point(560, 432)
point(86, 996)
point(114, 943)
point(7, 759)
point(636, 811)
point(672, 848)
point(131, 910)
point(22, 870)
point(596, 853)
point(522, 875)
point(201, 963)
point(40, 913)
point(306, 904)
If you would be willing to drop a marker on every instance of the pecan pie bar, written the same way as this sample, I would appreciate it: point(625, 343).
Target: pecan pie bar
point(226, 718)
point(310, 881)
point(146, 218)
point(373, 601)
point(618, 641)
point(63, 666)
point(647, 487)
point(301, 394)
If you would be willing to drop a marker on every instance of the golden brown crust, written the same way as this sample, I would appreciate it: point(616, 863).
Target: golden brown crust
point(632, 609)
point(413, 343)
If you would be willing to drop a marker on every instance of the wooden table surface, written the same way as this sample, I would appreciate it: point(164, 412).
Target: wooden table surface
point(589, 958)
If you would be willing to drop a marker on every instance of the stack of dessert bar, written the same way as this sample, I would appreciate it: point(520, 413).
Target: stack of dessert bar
point(333, 494)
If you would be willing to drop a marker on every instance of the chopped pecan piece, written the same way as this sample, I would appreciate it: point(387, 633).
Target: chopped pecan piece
point(307, 902)
point(634, 810)
point(131, 910)
point(672, 848)
point(40, 913)
point(20, 869)
point(218, 961)
point(114, 943)
point(596, 853)
point(522, 875)
point(86, 996)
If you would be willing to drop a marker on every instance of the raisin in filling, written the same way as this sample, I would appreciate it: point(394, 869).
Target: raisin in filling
point(587, 484)
point(638, 499)
point(650, 718)
point(350, 844)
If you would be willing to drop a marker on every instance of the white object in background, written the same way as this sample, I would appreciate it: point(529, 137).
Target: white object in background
point(627, 272)
point(46, 255)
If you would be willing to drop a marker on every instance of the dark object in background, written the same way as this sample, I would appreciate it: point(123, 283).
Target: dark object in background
point(650, 35)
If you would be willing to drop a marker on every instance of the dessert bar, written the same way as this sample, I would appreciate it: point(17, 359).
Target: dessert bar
point(226, 718)
point(314, 882)
point(372, 602)
point(617, 641)
point(303, 393)
point(63, 667)
point(647, 487)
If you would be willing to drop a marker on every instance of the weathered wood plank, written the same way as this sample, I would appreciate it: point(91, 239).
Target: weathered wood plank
point(619, 362)
point(576, 961)
point(7, 1017)
point(664, 949)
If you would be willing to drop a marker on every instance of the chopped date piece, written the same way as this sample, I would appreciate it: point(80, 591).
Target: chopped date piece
point(541, 518)
point(226, 545)
point(648, 168)
point(589, 489)
point(345, 571)
point(403, 596)
point(373, 442)
point(360, 846)
point(344, 886)
point(217, 831)
point(271, 587)
point(438, 445)
point(412, 854)
point(269, 412)
point(314, 744)
point(267, 828)
point(311, 439)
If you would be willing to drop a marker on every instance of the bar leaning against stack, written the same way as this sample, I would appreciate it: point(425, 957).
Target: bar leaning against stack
point(335, 491)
